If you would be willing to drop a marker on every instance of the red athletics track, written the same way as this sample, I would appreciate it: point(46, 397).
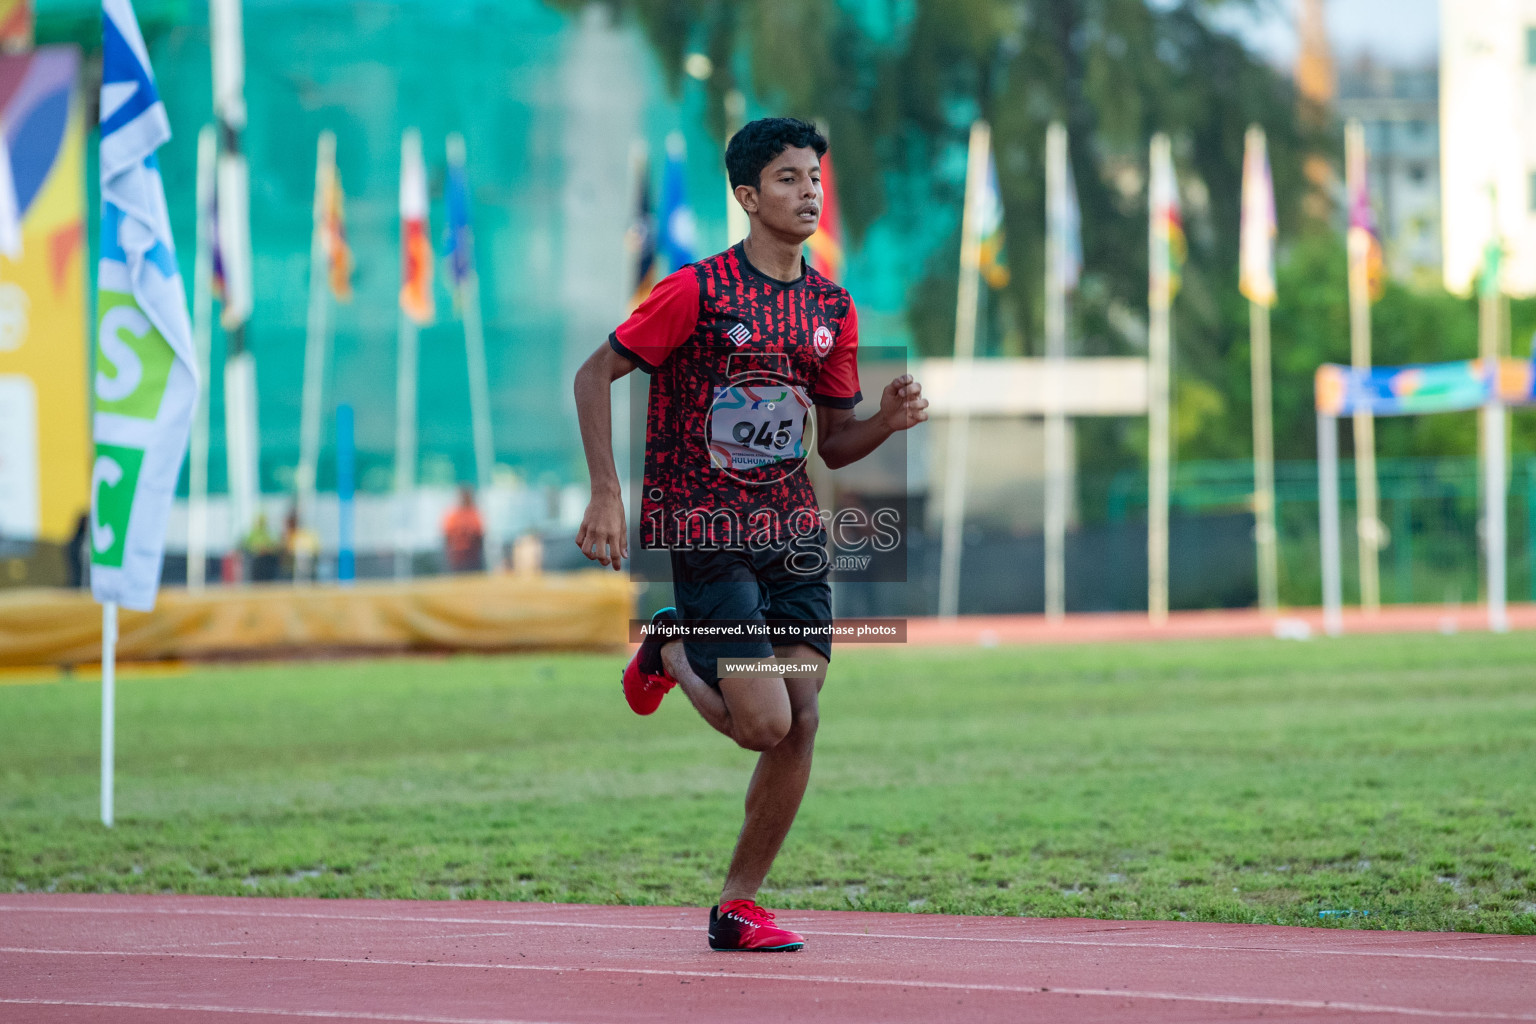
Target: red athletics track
point(176, 959)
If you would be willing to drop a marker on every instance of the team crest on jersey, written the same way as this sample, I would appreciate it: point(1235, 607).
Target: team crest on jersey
point(739, 333)
point(822, 340)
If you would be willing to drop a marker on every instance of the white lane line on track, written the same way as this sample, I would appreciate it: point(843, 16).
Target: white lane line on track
point(118, 1004)
point(827, 979)
point(504, 923)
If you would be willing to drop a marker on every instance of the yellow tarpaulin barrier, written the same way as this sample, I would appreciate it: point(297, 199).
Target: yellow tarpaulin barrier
point(451, 613)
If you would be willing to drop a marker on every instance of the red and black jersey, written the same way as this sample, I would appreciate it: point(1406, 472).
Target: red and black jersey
point(716, 324)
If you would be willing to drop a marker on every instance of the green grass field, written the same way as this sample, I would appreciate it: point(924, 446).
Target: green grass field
point(1381, 782)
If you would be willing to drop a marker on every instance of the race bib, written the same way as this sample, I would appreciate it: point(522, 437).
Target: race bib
point(757, 425)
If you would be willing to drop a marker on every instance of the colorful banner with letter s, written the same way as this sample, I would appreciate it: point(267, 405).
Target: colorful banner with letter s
point(146, 377)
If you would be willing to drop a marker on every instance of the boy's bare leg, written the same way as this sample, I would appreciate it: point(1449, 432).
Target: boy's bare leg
point(710, 704)
point(774, 794)
point(754, 711)
point(777, 717)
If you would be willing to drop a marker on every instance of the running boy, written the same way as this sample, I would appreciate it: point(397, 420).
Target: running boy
point(741, 348)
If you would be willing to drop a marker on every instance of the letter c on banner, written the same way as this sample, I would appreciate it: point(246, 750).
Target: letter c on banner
point(130, 369)
point(106, 471)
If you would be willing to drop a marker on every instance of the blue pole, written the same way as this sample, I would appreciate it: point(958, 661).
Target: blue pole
point(346, 475)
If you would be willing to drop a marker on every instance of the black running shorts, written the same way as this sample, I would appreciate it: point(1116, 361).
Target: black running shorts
point(786, 583)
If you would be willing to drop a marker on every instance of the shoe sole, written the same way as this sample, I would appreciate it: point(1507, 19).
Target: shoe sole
point(626, 671)
point(788, 947)
point(625, 691)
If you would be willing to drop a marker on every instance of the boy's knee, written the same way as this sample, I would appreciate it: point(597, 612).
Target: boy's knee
point(762, 733)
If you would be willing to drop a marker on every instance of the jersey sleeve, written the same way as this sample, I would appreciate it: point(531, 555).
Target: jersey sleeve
point(661, 323)
point(838, 385)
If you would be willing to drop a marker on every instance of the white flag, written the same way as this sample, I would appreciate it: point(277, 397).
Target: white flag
point(146, 374)
point(1064, 238)
point(10, 211)
point(1256, 252)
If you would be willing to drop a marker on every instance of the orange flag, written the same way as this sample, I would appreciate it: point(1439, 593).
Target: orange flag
point(333, 229)
point(415, 246)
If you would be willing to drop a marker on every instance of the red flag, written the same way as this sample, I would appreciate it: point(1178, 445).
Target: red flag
point(827, 243)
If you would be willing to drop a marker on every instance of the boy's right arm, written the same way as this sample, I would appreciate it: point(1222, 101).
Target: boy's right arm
point(602, 536)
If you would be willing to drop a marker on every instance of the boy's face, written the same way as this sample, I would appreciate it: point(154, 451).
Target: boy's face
point(788, 198)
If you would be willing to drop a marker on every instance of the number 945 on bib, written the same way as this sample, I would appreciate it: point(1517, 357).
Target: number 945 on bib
point(757, 425)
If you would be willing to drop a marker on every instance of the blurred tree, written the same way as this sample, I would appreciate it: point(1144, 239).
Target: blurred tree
point(898, 85)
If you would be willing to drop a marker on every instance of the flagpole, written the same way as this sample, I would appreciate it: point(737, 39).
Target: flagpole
point(202, 339)
point(316, 339)
point(108, 707)
point(479, 380)
point(142, 420)
point(242, 457)
point(1367, 517)
point(405, 390)
point(405, 445)
point(1256, 279)
point(1328, 521)
point(1492, 438)
point(480, 411)
point(1056, 354)
point(1159, 346)
point(965, 347)
point(346, 472)
point(1265, 531)
point(1487, 348)
point(233, 186)
point(1495, 489)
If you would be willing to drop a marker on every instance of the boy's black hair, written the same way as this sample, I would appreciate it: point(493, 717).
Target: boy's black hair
point(754, 147)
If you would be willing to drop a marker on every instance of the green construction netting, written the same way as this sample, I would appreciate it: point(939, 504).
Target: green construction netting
point(367, 70)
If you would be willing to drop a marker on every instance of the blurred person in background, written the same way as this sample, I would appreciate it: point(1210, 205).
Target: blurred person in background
point(262, 551)
point(528, 554)
point(301, 548)
point(464, 534)
point(77, 554)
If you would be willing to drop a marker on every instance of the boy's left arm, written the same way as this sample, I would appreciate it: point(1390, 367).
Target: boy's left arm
point(843, 439)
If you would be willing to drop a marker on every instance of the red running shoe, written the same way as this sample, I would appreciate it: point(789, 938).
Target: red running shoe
point(744, 926)
point(645, 679)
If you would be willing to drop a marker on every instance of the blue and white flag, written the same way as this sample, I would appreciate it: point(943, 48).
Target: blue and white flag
point(1064, 222)
point(10, 206)
point(994, 257)
point(146, 374)
point(679, 234)
point(458, 245)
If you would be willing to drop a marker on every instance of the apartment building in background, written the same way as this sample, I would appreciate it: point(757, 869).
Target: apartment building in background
point(1488, 140)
